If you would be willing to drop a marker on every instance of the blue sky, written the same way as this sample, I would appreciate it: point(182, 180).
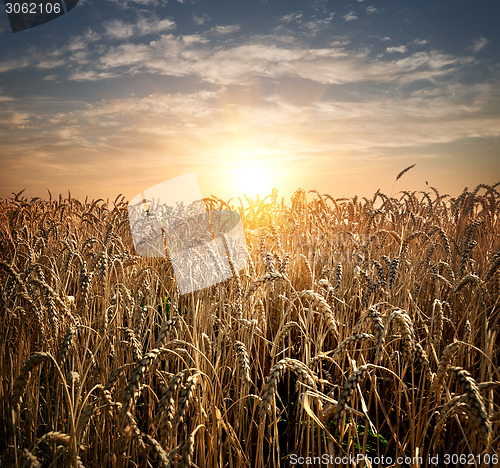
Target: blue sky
point(338, 96)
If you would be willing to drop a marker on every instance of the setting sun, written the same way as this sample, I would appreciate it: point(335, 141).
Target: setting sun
point(252, 179)
point(246, 165)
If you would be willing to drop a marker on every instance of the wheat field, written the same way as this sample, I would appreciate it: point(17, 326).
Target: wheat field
point(361, 329)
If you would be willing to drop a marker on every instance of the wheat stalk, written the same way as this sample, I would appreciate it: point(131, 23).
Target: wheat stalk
point(404, 171)
point(166, 407)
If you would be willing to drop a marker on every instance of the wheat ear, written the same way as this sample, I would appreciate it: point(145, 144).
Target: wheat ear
point(443, 365)
point(133, 384)
point(404, 171)
point(244, 361)
point(187, 449)
point(347, 390)
point(186, 397)
point(475, 403)
point(299, 368)
point(31, 460)
point(320, 303)
point(160, 456)
point(20, 383)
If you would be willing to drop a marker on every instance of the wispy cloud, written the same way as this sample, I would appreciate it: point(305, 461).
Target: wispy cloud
point(117, 29)
point(351, 16)
point(419, 42)
point(225, 29)
point(14, 119)
point(479, 44)
point(399, 49)
point(274, 57)
point(316, 25)
point(14, 64)
point(200, 19)
point(127, 4)
point(291, 17)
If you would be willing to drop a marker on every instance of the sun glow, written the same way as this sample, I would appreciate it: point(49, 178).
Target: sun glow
point(248, 160)
point(253, 179)
point(252, 168)
point(244, 166)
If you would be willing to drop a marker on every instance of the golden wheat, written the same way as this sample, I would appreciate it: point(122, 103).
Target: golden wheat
point(105, 363)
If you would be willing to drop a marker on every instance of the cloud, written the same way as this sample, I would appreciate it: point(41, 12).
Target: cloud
point(120, 142)
point(317, 25)
point(194, 39)
point(14, 64)
point(144, 137)
point(82, 41)
point(277, 56)
point(419, 42)
point(4, 98)
point(13, 120)
point(200, 20)
point(126, 54)
point(228, 29)
point(127, 4)
point(291, 17)
point(399, 49)
point(351, 16)
point(479, 44)
point(297, 24)
point(175, 119)
point(117, 29)
point(372, 112)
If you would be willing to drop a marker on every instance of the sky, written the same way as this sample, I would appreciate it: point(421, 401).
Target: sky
point(339, 96)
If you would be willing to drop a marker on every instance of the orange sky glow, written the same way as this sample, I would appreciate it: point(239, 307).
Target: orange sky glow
point(329, 96)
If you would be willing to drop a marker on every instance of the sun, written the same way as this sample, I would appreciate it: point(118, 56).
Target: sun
point(245, 164)
point(253, 179)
